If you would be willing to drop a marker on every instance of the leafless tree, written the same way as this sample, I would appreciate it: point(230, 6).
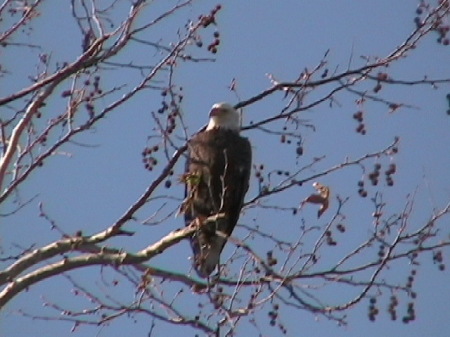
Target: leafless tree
point(52, 104)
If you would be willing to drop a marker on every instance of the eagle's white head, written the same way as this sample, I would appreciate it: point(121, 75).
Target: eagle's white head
point(223, 115)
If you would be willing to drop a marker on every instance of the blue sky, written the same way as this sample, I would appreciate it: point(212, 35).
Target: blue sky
point(88, 187)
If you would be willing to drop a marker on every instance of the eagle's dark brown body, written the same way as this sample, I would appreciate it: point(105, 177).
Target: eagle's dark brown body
point(218, 172)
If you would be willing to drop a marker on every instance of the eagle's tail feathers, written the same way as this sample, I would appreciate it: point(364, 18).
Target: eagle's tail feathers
point(207, 245)
point(209, 258)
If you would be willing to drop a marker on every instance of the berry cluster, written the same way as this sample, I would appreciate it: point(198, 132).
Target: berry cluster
point(171, 121)
point(381, 77)
point(218, 298)
point(271, 261)
point(172, 97)
point(374, 176)
point(212, 47)
point(280, 173)
point(410, 313)
point(442, 31)
point(438, 26)
point(361, 191)
point(381, 253)
point(148, 158)
point(91, 95)
point(259, 175)
point(329, 238)
point(171, 116)
point(409, 284)
point(284, 139)
point(377, 87)
point(341, 227)
point(150, 161)
point(205, 21)
point(43, 138)
point(389, 172)
point(392, 309)
point(259, 172)
point(373, 310)
point(358, 116)
point(438, 258)
point(273, 315)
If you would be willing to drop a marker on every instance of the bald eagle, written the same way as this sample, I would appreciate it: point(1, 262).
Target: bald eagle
point(217, 178)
